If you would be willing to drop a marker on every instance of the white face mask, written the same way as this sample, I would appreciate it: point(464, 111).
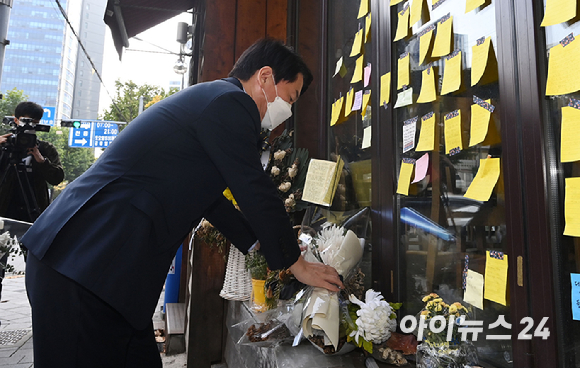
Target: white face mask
point(278, 111)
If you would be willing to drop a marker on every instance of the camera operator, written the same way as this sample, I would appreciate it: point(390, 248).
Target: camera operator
point(42, 165)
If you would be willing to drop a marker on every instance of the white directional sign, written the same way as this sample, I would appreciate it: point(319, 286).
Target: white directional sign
point(93, 134)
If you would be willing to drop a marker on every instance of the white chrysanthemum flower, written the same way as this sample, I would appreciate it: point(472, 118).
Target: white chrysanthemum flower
point(374, 318)
point(275, 170)
point(279, 155)
point(284, 187)
point(292, 171)
point(329, 241)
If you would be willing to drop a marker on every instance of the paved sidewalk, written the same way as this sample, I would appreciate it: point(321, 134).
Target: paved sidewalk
point(16, 328)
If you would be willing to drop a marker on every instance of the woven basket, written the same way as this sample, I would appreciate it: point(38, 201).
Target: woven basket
point(237, 282)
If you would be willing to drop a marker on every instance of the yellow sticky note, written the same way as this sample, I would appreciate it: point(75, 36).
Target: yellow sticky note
point(452, 129)
point(480, 55)
point(395, 2)
point(485, 180)
point(368, 27)
point(452, 74)
point(402, 24)
point(336, 110)
point(416, 10)
point(357, 43)
point(569, 147)
point(405, 178)
point(363, 9)
point(479, 124)
point(348, 102)
point(366, 100)
point(358, 70)
point(427, 133)
point(558, 11)
point(562, 76)
point(572, 207)
point(442, 44)
point(385, 89)
point(472, 4)
point(496, 273)
point(403, 70)
point(428, 92)
point(474, 289)
point(424, 45)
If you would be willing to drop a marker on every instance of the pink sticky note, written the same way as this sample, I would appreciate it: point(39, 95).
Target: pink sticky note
point(367, 74)
point(358, 97)
point(421, 166)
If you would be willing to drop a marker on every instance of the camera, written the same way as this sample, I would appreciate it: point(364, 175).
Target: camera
point(23, 133)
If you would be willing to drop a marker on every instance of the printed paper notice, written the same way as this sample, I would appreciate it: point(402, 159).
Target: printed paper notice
point(321, 181)
point(452, 130)
point(442, 44)
point(485, 180)
point(474, 289)
point(403, 69)
point(385, 88)
point(452, 74)
point(572, 207)
point(479, 124)
point(357, 43)
point(480, 56)
point(427, 134)
point(404, 98)
point(416, 10)
point(421, 167)
point(363, 8)
point(427, 93)
point(409, 129)
point(558, 11)
point(365, 102)
point(358, 99)
point(336, 109)
point(424, 45)
point(562, 76)
point(405, 178)
point(348, 103)
point(569, 147)
point(471, 5)
point(358, 70)
point(402, 24)
point(496, 271)
point(366, 142)
point(575, 278)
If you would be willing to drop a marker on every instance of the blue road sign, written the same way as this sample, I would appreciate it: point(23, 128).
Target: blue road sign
point(93, 134)
point(104, 133)
point(81, 137)
point(48, 117)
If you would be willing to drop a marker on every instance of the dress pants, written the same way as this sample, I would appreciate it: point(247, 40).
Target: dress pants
point(73, 328)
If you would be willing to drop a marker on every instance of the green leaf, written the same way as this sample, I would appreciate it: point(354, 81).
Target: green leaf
point(396, 306)
point(368, 346)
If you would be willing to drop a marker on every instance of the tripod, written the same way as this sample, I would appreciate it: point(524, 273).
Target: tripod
point(11, 165)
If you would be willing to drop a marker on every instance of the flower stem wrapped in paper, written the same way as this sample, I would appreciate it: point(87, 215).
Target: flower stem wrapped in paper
point(342, 249)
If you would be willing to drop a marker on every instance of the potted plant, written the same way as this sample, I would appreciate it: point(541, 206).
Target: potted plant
point(258, 268)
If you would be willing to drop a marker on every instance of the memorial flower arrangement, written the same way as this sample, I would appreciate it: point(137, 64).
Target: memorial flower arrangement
point(444, 347)
point(287, 168)
point(374, 320)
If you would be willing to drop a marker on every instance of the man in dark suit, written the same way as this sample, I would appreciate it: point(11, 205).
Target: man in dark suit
point(98, 256)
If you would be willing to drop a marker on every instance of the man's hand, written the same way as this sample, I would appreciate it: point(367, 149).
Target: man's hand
point(4, 138)
point(36, 154)
point(316, 274)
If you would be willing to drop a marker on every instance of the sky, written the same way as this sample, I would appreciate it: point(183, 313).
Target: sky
point(142, 67)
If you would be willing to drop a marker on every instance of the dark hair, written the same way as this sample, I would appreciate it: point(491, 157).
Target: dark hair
point(29, 109)
point(283, 60)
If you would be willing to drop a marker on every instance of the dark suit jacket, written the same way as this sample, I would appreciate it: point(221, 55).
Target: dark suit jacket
point(116, 228)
